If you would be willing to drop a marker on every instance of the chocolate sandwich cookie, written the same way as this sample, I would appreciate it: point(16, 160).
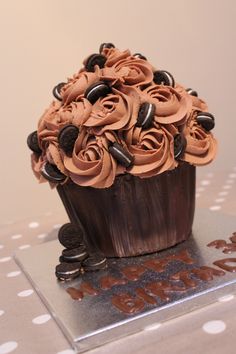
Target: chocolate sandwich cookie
point(74, 255)
point(57, 91)
point(70, 236)
point(33, 144)
point(94, 262)
point(121, 155)
point(97, 90)
point(95, 59)
point(192, 92)
point(51, 173)
point(139, 56)
point(68, 271)
point(179, 145)
point(146, 115)
point(163, 77)
point(67, 137)
point(206, 120)
point(105, 45)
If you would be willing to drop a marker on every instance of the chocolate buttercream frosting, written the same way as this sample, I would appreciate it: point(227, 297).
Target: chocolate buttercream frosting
point(112, 117)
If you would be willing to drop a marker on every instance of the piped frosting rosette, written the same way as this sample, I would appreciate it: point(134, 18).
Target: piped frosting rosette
point(119, 115)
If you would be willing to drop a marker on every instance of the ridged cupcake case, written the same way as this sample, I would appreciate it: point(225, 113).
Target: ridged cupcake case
point(134, 216)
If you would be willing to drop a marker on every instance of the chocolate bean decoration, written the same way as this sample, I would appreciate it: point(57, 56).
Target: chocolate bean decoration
point(146, 115)
point(52, 173)
point(192, 92)
point(33, 144)
point(163, 77)
point(70, 236)
point(121, 155)
point(97, 90)
point(67, 271)
point(94, 262)
point(67, 138)
point(206, 120)
point(105, 45)
point(179, 145)
point(57, 91)
point(139, 56)
point(74, 255)
point(95, 59)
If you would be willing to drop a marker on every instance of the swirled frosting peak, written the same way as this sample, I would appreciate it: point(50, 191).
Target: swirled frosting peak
point(117, 115)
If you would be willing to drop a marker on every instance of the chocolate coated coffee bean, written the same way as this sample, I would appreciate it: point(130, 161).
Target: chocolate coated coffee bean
point(121, 155)
point(51, 173)
point(139, 56)
point(95, 59)
point(75, 255)
point(163, 77)
point(97, 90)
point(105, 45)
point(67, 138)
point(33, 144)
point(146, 115)
point(70, 236)
point(192, 92)
point(179, 145)
point(68, 271)
point(57, 91)
point(94, 262)
point(206, 120)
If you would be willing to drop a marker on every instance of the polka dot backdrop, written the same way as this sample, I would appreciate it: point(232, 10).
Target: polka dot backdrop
point(27, 327)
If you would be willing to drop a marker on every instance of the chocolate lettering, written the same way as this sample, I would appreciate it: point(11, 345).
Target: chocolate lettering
point(182, 256)
point(160, 289)
point(133, 272)
point(224, 264)
point(206, 273)
point(108, 282)
point(86, 287)
point(227, 247)
point(217, 244)
point(75, 294)
point(158, 265)
point(127, 303)
point(184, 276)
point(144, 295)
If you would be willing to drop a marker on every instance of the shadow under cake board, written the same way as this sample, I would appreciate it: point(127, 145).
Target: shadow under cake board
point(94, 321)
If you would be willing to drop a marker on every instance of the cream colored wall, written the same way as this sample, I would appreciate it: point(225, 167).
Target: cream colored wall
point(43, 42)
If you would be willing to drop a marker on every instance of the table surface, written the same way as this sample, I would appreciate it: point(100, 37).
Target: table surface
point(27, 327)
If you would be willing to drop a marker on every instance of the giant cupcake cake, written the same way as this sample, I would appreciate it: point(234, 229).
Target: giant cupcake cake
point(120, 142)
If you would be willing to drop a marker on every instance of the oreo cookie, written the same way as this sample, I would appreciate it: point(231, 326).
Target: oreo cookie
point(192, 92)
point(146, 115)
point(94, 262)
point(74, 255)
point(206, 120)
point(95, 59)
point(139, 56)
point(57, 91)
point(67, 138)
point(179, 145)
point(121, 155)
point(97, 90)
point(68, 271)
point(33, 144)
point(69, 236)
point(52, 174)
point(163, 77)
point(105, 45)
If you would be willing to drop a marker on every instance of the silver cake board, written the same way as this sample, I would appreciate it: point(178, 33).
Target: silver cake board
point(94, 320)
